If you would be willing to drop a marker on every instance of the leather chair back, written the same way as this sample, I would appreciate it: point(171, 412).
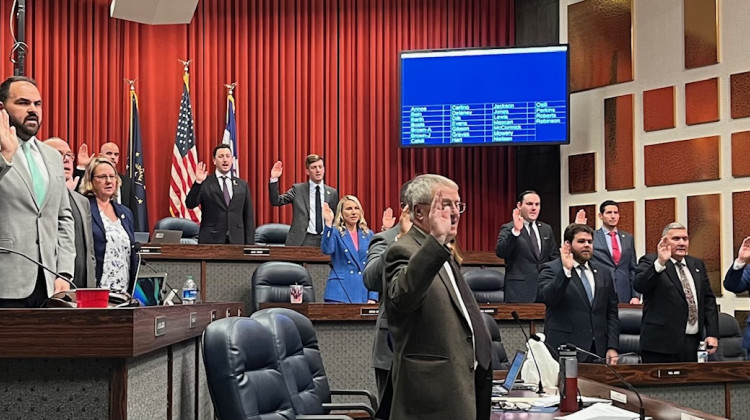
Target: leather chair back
point(499, 356)
point(488, 285)
point(271, 281)
point(188, 227)
point(630, 335)
point(271, 234)
point(242, 371)
point(730, 340)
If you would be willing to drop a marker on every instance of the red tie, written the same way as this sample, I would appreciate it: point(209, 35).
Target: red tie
point(615, 247)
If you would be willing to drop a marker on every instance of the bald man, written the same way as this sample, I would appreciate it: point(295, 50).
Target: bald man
point(84, 275)
point(126, 194)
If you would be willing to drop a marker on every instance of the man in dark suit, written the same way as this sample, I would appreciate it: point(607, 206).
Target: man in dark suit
point(525, 244)
point(307, 200)
point(126, 193)
point(34, 203)
point(737, 280)
point(679, 307)
point(85, 262)
point(225, 201)
point(382, 355)
point(580, 298)
point(614, 250)
point(441, 346)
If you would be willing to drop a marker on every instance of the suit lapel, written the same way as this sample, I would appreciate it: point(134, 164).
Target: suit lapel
point(95, 215)
point(306, 197)
point(672, 274)
point(694, 273)
point(600, 242)
point(527, 237)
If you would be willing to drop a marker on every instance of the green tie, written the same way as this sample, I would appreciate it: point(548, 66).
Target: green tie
point(37, 180)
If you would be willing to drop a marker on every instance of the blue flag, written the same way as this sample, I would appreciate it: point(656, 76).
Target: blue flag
point(230, 133)
point(136, 171)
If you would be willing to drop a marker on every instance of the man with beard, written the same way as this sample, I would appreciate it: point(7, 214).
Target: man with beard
point(228, 216)
point(679, 307)
point(35, 208)
point(442, 362)
point(580, 298)
point(525, 244)
point(85, 275)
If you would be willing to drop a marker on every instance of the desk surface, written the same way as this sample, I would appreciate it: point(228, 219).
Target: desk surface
point(669, 373)
point(109, 333)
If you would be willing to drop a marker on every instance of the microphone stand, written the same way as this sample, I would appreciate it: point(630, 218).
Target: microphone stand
point(58, 275)
point(540, 390)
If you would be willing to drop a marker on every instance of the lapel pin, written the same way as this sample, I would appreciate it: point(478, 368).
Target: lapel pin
point(594, 270)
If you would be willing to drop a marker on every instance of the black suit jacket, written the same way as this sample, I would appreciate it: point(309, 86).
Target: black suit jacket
point(521, 265)
point(665, 310)
point(570, 318)
point(219, 221)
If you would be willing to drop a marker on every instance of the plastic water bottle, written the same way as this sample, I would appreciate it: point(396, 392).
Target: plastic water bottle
point(189, 291)
point(702, 352)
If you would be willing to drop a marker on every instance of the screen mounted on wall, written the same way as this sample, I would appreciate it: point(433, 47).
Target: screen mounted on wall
point(484, 96)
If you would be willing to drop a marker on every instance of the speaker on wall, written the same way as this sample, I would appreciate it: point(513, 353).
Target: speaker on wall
point(154, 12)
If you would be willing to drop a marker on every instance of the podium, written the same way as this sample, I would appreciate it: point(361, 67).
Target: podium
point(117, 364)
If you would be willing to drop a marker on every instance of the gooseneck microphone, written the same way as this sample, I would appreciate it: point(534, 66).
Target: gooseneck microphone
point(641, 408)
point(69, 281)
point(514, 314)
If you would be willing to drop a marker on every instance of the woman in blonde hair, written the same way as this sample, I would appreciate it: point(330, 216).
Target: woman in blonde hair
point(112, 227)
point(346, 239)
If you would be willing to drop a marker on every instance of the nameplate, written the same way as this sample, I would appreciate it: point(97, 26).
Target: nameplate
point(151, 250)
point(491, 311)
point(160, 326)
point(257, 251)
point(193, 319)
point(670, 373)
point(368, 311)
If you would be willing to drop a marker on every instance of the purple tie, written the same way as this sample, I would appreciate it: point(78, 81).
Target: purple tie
point(227, 198)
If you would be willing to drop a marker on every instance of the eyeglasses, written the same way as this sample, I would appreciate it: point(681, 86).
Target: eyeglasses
point(460, 206)
point(67, 156)
point(105, 177)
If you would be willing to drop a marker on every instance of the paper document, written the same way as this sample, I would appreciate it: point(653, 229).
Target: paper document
point(601, 411)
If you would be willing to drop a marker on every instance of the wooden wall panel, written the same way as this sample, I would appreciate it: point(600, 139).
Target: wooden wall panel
point(618, 143)
point(659, 213)
point(702, 101)
point(683, 161)
point(591, 213)
point(741, 154)
point(701, 34)
point(582, 173)
point(739, 94)
point(704, 228)
point(658, 109)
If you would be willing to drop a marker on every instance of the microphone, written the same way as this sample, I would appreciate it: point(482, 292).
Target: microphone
point(641, 409)
point(58, 275)
point(340, 282)
point(514, 314)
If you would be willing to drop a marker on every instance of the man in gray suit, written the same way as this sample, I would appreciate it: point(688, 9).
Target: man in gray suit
point(615, 250)
point(306, 198)
point(442, 362)
point(35, 207)
point(85, 276)
point(382, 355)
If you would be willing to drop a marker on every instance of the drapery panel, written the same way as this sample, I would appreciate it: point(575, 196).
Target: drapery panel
point(313, 76)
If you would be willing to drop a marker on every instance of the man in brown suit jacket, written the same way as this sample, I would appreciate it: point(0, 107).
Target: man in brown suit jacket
point(441, 347)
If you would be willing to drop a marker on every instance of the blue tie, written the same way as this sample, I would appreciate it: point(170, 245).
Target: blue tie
point(37, 180)
point(586, 284)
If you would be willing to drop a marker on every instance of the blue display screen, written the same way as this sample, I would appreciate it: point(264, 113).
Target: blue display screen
point(484, 96)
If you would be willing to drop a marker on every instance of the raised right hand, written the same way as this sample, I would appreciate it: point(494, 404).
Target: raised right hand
point(439, 218)
point(517, 219)
point(388, 219)
point(327, 215)
point(664, 251)
point(277, 169)
point(566, 256)
point(8, 138)
point(83, 158)
point(200, 172)
point(744, 253)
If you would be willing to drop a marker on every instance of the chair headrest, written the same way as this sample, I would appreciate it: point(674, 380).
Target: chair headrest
point(630, 320)
point(304, 325)
point(485, 279)
point(728, 326)
point(288, 342)
point(272, 233)
point(279, 273)
point(188, 227)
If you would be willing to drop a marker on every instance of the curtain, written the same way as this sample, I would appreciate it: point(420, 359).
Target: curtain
point(313, 76)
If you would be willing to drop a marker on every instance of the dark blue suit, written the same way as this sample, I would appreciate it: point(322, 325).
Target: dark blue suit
point(347, 264)
point(100, 238)
point(622, 273)
point(738, 281)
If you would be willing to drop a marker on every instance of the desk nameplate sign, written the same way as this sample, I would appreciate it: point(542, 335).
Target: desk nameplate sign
point(263, 252)
point(160, 326)
point(150, 250)
point(670, 373)
point(193, 319)
point(368, 311)
point(491, 311)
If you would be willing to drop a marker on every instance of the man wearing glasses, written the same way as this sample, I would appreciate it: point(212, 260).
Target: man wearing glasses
point(441, 347)
point(81, 209)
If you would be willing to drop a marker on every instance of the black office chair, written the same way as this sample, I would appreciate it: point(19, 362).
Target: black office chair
point(242, 371)
point(488, 285)
point(630, 335)
point(271, 281)
point(188, 228)
point(499, 356)
point(271, 234)
point(730, 341)
point(311, 351)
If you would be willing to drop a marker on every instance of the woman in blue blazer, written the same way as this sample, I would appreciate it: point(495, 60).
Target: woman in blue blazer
point(112, 227)
point(346, 239)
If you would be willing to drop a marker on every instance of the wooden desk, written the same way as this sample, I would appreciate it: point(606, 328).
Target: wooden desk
point(106, 363)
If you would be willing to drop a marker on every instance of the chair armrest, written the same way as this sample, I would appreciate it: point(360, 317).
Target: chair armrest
point(350, 407)
point(368, 394)
point(322, 417)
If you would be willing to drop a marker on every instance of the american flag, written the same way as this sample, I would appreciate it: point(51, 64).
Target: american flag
point(184, 159)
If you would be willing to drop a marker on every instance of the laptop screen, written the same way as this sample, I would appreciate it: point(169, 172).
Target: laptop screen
point(514, 370)
point(149, 289)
